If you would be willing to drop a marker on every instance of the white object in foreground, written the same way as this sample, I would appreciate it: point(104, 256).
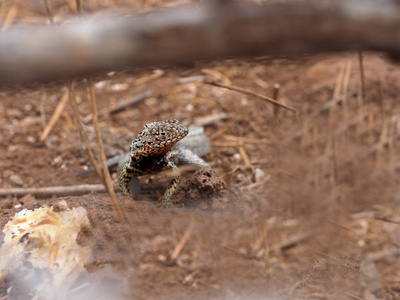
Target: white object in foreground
point(43, 242)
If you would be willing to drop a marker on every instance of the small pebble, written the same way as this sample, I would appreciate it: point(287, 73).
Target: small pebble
point(189, 107)
point(119, 87)
point(162, 258)
point(30, 139)
point(16, 180)
point(258, 175)
point(188, 279)
point(56, 161)
point(371, 275)
point(100, 84)
point(237, 156)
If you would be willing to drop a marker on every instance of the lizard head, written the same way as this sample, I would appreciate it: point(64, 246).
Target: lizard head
point(158, 138)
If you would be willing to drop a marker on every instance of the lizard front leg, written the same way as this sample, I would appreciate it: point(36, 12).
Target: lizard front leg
point(125, 176)
point(176, 178)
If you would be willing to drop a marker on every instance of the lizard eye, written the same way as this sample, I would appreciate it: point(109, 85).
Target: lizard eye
point(162, 133)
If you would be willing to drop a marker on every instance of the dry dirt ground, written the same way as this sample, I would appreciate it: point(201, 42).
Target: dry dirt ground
point(313, 213)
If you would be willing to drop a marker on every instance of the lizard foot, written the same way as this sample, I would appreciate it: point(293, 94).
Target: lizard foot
point(165, 203)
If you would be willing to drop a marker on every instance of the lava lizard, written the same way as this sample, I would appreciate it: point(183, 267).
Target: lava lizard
point(160, 146)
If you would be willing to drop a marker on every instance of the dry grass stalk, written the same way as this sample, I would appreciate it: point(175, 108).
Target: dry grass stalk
point(334, 161)
point(256, 184)
point(78, 288)
point(337, 92)
point(56, 115)
point(353, 296)
point(260, 222)
point(217, 133)
point(78, 6)
point(41, 107)
point(182, 242)
point(362, 78)
point(388, 220)
point(382, 254)
point(336, 96)
point(9, 18)
point(250, 93)
point(380, 94)
point(48, 11)
point(82, 133)
point(144, 79)
point(264, 237)
point(103, 158)
point(383, 140)
point(224, 144)
point(346, 80)
point(245, 157)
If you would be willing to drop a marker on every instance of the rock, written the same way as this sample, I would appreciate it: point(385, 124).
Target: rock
point(16, 180)
point(371, 275)
point(258, 175)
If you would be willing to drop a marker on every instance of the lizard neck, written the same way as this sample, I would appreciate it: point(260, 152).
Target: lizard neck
point(149, 164)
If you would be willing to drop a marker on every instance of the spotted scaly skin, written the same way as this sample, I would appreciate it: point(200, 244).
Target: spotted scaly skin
point(149, 155)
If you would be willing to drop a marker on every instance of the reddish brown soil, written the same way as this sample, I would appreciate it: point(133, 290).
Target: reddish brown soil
point(324, 195)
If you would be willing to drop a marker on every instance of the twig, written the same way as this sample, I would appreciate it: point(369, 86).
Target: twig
point(82, 133)
point(125, 103)
point(56, 115)
point(177, 36)
point(293, 241)
point(248, 92)
point(58, 191)
point(182, 242)
point(275, 96)
point(103, 158)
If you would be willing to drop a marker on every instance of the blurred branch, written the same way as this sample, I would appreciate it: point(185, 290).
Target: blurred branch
point(196, 32)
